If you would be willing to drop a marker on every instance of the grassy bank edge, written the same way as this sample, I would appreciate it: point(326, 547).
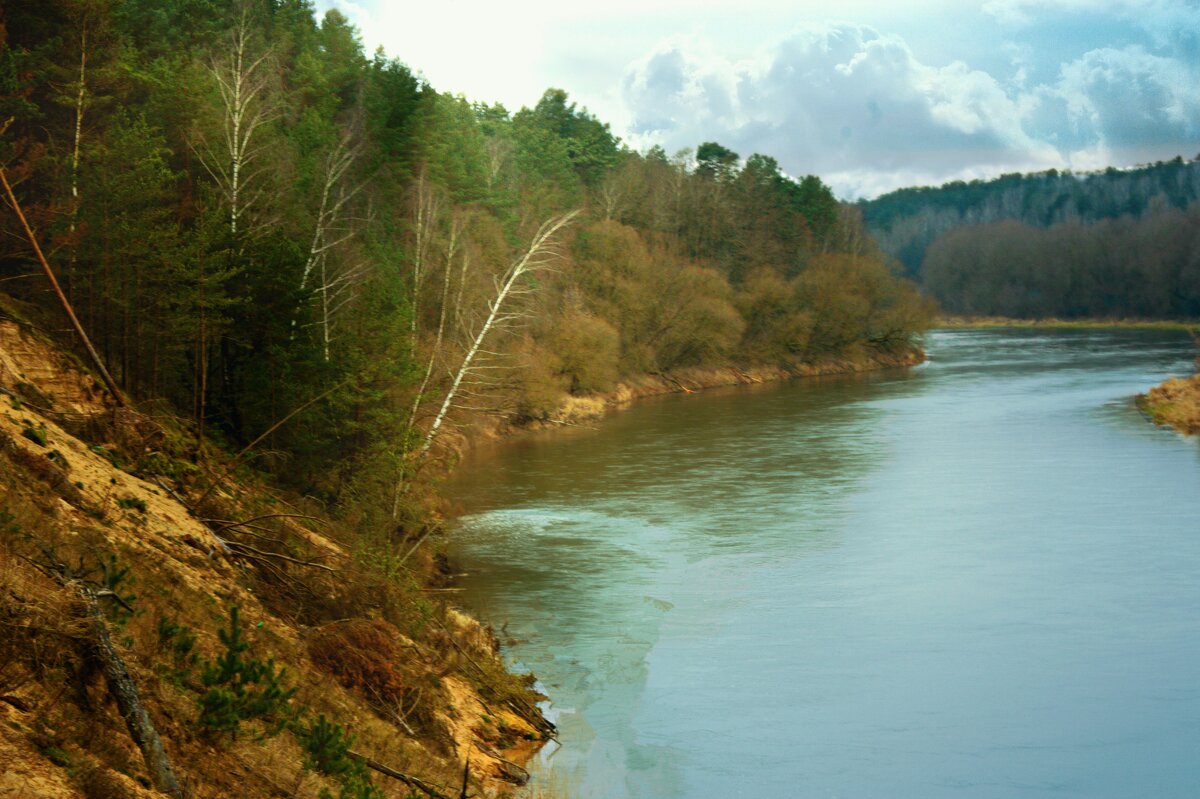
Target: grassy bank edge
point(585, 410)
point(989, 322)
point(1175, 403)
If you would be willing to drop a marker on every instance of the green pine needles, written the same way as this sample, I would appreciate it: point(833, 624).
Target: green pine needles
point(327, 750)
point(241, 688)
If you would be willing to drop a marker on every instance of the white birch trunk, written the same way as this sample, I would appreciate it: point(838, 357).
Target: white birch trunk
point(240, 82)
point(78, 129)
point(326, 236)
point(534, 259)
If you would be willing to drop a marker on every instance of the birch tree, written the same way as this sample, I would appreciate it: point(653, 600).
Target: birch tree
point(242, 82)
point(333, 282)
point(427, 209)
point(537, 257)
point(80, 95)
point(452, 247)
point(448, 313)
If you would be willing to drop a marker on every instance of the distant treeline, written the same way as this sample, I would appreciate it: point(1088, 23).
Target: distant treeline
point(905, 222)
point(248, 212)
point(1112, 243)
point(1145, 267)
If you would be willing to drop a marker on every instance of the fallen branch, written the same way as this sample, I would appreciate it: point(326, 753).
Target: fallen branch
point(514, 771)
point(68, 416)
point(117, 396)
point(407, 779)
point(239, 548)
point(524, 710)
point(174, 496)
point(228, 525)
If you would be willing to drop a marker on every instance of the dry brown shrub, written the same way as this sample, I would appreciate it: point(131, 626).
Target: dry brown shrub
point(363, 654)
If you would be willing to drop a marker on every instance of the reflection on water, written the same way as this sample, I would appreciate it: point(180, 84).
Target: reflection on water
point(974, 578)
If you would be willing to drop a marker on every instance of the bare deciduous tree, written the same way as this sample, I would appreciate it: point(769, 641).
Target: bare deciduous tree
point(242, 82)
point(333, 283)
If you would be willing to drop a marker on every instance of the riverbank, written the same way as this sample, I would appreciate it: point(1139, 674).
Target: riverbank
point(1175, 403)
point(99, 503)
point(685, 381)
point(577, 410)
point(989, 322)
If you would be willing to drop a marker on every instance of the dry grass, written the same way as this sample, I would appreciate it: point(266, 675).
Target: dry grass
point(40, 626)
point(1175, 403)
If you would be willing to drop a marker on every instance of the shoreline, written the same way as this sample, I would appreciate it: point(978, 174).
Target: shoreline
point(582, 410)
point(1054, 323)
point(1174, 403)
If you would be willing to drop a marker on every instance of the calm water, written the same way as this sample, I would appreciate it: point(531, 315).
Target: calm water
point(976, 578)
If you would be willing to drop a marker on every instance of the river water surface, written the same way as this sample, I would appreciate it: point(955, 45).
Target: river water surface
point(976, 578)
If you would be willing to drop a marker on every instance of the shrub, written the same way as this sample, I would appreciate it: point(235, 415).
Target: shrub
point(363, 654)
point(35, 434)
point(132, 503)
point(179, 640)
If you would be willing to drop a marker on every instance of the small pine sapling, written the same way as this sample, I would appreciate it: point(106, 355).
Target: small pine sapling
point(241, 688)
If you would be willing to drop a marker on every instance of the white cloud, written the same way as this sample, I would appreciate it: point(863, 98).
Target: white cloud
point(1131, 100)
point(969, 90)
point(839, 100)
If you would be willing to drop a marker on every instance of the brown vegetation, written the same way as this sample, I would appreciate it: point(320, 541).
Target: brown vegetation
point(1175, 403)
point(1144, 267)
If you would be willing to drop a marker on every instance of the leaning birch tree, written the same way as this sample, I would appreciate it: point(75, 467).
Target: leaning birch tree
point(537, 257)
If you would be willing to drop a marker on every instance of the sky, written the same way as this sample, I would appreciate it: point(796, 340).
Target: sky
point(867, 94)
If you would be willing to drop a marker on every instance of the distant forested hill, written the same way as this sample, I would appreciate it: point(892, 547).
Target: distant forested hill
point(1117, 242)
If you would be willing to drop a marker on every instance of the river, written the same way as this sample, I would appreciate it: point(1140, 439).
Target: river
point(979, 577)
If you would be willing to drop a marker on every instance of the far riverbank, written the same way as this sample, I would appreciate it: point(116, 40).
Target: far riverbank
point(581, 410)
point(1175, 403)
point(1053, 323)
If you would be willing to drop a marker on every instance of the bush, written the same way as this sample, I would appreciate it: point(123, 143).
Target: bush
point(363, 654)
point(179, 640)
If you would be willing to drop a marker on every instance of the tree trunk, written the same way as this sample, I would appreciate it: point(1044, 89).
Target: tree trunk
point(129, 702)
point(533, 259)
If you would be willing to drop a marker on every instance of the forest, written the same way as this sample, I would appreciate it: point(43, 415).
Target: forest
point(1115, 243)
point(1147, 268)
point(255, 220)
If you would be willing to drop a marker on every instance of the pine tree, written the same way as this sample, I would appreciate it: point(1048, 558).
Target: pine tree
point(241, 688)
